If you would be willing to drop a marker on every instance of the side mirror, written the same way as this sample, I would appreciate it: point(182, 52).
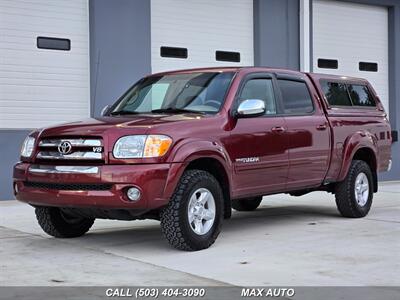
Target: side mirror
point(105, 110)
point(251, 108)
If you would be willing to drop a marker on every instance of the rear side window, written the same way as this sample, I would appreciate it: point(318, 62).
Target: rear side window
point(261, 89)
point(342, 94)
point(336, 93)
point(296, 97)
point(360, 95)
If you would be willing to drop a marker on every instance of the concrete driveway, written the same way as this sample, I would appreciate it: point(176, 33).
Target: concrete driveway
point(286, 242)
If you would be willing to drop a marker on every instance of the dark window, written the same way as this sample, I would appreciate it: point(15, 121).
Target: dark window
point(336, 93)
point(261, 89)
point(360, 95)
point(227, 56)
point(53, 43)
point(327, 63)
point(174, 52)
point(395, 136)
point(296, 97)
point(368, 66)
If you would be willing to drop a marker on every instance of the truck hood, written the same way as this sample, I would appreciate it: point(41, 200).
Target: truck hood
point(137, 124)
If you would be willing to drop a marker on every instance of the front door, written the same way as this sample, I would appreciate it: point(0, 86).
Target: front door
point(258, 145)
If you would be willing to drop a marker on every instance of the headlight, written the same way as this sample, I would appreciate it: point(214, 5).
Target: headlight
point(138, 146)
point(27, 147)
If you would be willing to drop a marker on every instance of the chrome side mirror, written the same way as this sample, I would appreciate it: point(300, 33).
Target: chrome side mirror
point(251, 108)
point(105, 110)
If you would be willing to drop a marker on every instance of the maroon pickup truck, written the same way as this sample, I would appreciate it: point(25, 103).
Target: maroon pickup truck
point(186, 147)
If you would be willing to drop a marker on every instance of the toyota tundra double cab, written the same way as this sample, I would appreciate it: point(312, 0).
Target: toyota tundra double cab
point(185, 147)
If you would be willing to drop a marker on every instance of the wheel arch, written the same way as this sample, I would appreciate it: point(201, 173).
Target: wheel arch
point(207, 156)
point(215, 168)
point(368, 155)
point(361, 146)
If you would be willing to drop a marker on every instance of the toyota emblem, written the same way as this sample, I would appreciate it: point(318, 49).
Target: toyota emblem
point(65, 147)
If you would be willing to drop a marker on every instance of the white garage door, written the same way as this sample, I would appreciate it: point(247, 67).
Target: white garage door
point(40, 85)
point(352, 39)
point(191, 31)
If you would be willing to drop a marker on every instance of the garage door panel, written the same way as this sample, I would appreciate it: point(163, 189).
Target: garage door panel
point(20, 103)
point(193, 25)
point(24, 75)
point(41, 87)
point(11, 6)
point(47, 57)
point(46, 4)
point(22, 22)
point(28, 31)
point(29, 69)
point(15, 42)
point(351, 33)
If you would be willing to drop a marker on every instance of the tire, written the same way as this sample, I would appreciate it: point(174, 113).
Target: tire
point(248, 204)
point(350, 203)
point(55, 223)
point(175, 224)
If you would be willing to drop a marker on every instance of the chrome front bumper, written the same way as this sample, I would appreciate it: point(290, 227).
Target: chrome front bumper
point(45, 169)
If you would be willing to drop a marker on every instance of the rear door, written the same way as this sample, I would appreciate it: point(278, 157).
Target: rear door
point(308, 132)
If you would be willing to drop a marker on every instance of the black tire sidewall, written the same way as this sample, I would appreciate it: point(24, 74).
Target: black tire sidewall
point(247, 204)
point(55, 223)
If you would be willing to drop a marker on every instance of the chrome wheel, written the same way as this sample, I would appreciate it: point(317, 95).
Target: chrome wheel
point(201, 211)
point(361, 189)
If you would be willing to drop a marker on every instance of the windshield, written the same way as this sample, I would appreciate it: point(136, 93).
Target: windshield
point(174, 93)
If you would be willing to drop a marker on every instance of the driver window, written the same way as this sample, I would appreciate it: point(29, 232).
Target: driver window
point(261, 89)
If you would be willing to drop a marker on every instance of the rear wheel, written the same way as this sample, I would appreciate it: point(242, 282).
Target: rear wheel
point(193, 218)
point(247, 204)
point(354, 194)
point(61, 225)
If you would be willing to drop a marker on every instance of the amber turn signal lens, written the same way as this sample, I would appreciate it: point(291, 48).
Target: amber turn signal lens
point(156, 145)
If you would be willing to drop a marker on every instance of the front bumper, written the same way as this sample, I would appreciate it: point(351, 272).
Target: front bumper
point(96, 186)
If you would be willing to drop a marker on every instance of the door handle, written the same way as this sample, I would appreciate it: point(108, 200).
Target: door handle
point(322, 127)
point(278, 129)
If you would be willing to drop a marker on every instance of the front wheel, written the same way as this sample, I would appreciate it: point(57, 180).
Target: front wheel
point(61, 225)
point(354, 194)
point(193, 218)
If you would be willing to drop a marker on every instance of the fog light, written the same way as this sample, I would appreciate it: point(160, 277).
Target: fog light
point(133, 194)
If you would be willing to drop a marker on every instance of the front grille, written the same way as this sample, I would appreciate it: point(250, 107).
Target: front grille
point(71, 149)
point(69, 186)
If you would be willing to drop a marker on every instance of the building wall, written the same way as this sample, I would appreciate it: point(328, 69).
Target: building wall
point(10, 146)
point(120, 52)
point(276, 33)
point(119, 55)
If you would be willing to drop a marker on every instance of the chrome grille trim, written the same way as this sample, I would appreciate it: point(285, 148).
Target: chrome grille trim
point(74, 142)
point(63, 169)
point(74, 155)
point(80, 149)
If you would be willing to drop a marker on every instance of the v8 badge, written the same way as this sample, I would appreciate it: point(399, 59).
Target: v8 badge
point(97, 149)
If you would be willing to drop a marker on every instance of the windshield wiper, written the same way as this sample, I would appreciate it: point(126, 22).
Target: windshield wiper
point(124, 112)
point(176, 110)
